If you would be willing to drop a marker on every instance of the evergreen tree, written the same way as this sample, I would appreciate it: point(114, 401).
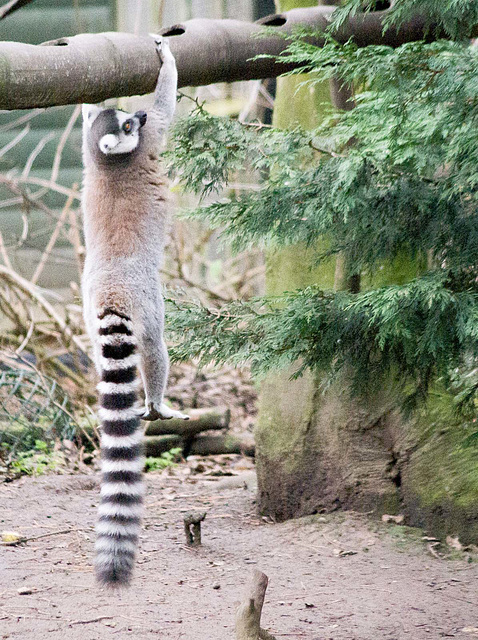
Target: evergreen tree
point(395, 180)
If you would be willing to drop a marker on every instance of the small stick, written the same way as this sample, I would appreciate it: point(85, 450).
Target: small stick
point(15, 141)
point(61, 145)
point(75, 240)
point(4, 253)
point(99, 619)
point(26, 287)
point(14, 543)
point(26, 339)
point(21, 120)
point(34, 154)
point(51, 243)
point(49, 184)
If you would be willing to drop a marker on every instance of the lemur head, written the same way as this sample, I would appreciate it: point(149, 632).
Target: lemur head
point(112, 132)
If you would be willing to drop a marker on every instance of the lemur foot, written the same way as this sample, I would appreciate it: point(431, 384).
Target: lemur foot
point(152, 412)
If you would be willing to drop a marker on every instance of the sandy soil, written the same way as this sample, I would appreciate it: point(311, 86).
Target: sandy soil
point(331, 577)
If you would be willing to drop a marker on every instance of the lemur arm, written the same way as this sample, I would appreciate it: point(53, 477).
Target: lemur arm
point(166, 87)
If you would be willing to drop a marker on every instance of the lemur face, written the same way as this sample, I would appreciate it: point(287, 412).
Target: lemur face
point(114, 132)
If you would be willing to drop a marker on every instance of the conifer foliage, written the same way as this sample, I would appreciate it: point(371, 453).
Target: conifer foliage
point(396, 178)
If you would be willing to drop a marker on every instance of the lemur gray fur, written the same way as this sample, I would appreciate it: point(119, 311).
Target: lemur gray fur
point(125, 208)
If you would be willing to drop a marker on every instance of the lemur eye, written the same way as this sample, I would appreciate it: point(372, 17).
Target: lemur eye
point(127, 126)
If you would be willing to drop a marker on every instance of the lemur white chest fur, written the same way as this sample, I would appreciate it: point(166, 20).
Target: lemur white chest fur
point(125, 208)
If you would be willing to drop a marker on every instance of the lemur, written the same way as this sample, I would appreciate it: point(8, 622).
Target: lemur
point(125, 209)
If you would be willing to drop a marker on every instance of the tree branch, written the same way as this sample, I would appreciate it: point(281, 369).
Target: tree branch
point(13, 5)
point(94, 67)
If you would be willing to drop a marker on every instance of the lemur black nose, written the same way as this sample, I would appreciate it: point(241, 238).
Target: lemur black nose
point(142, 117)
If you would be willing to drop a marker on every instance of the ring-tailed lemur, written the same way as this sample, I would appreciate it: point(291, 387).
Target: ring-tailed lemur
point(125, 208)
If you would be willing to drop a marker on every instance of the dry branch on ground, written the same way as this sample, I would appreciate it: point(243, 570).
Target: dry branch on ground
point(202, 445)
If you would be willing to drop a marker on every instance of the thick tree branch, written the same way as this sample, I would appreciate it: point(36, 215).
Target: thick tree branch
point(94, 67)
point(11, 6)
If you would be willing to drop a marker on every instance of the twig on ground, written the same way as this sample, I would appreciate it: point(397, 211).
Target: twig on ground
point(92, 620)
point(22, 540)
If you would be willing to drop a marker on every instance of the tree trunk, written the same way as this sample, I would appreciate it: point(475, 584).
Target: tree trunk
point(319, 451)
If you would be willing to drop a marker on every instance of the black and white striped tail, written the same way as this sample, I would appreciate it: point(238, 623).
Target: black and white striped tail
point(122, 462)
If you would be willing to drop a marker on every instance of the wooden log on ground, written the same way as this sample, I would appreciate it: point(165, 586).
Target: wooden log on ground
point(211, 418)
point(216, 445)
point(154, 446)
point(169, 434)
point(248, 615)
point(199, 420)
point(200, 445)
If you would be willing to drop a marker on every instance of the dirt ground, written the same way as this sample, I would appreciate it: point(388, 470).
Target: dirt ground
point(340, 576)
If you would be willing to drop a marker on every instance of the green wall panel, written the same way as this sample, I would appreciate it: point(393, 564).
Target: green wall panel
point(45, 20)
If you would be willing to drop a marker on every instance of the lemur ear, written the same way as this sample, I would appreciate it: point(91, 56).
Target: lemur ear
point(90, 113)
point(142, 117)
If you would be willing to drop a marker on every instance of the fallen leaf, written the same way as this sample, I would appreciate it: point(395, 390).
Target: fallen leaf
point(10, 536)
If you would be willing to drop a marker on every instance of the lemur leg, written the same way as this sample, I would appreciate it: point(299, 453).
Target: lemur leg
point(166, 87)
point(154, 371)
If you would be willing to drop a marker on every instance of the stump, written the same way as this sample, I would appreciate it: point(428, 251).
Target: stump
point(192, 528)
point(248, 615)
